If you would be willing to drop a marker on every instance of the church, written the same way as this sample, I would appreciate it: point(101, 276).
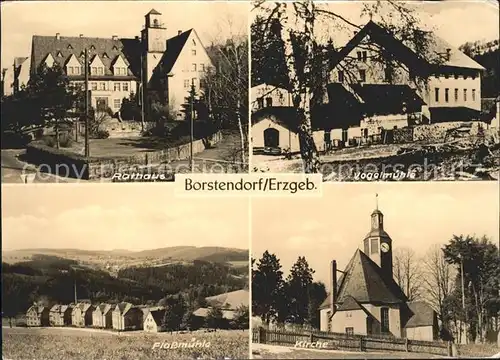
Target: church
point(161, 65)
point(366, 300)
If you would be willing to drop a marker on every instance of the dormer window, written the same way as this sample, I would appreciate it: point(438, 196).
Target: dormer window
point(105, 56)
point(92, 47)
point(120, 71)
point(194, 42)
point(70, 47)
point(82, 54)
point(59, 54)
point(115, 48)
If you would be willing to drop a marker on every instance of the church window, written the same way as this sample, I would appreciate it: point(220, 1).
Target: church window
point(367, 246)
point(349, 331)
point(384, 320)
point(374, 246)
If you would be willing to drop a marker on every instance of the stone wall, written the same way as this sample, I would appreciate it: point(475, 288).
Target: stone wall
point(403, 135)
point(437, 132)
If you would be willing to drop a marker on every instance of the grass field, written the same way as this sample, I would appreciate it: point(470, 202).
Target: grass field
point(260, 351)
point(87, 344)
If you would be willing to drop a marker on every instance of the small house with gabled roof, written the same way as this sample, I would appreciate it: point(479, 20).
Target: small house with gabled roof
point(60, 315)
point(126, 316)
point(81, 316)
point(153, 321)
point(37, 315)
point(102, 316)
point(366, 300)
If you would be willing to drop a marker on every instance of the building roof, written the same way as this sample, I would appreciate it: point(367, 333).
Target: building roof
point(60, 308)
point(103, 308)
point(63, 48)
point(382, 99)
point(226, 314)
point(37, 308)
point(350, 304)
point(423, 315)
point(435, 54)
point(123, 307)
point(363, 280)
point(459, 113)
point(230, 300)
point(285, 116)
point(174, 49)
point(158, 315)
point(153, 12)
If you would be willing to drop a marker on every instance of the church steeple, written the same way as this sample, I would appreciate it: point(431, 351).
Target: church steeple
point(377, 243)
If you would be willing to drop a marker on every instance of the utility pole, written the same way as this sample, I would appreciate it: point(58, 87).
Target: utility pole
point(142, 92)
point(76, 299)
point(463, 294)
point(86, 72)
point(192, 125)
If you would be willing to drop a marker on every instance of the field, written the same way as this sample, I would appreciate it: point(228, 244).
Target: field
point(260, 351)
point(88, 344)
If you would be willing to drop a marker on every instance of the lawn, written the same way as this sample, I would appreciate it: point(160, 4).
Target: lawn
point(86, 344)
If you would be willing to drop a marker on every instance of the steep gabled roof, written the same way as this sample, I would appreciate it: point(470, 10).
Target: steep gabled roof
point(128, 48)
point(158, 315)
point(422, 315)
point(123, 307)
point(436, 49)
point(174, 49)
point(363, 280)
point(153, 12)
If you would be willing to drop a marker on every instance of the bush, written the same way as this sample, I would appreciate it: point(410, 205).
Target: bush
point(65, 140)
point(49, 141)
point(102, 134)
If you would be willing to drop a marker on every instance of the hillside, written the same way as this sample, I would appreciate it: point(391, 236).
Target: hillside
point(51, 279)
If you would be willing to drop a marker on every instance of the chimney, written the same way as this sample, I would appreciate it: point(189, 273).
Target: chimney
point(81, 35)
point(58, 36)
point(333, 291)
point(114, 37)
point(448, 54)
point(179, 32)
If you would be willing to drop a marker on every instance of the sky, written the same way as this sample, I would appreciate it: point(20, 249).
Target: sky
point(23, 19)
point(453, 20)
point(123, 216)
point(416, 216)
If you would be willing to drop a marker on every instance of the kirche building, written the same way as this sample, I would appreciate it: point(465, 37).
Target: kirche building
point(164, 65)
point(366, 300)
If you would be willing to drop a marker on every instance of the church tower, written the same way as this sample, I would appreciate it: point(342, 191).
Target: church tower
point(154, 40)
point(377, 244)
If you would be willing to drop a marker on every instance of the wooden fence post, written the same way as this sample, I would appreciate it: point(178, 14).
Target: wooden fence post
point(311, 338)
point(361, 345)
point(407, 347)
point(262, 335)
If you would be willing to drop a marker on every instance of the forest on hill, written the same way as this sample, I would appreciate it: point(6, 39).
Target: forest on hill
point(50, 279)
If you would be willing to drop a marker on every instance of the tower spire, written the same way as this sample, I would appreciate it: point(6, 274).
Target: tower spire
point(376, 201)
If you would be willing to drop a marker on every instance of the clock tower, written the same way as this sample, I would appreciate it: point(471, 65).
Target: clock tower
point(377, 244)
point(154, 40)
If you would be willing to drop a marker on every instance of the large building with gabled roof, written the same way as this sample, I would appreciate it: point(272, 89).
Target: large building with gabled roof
point(166, 66)
point(366, 300)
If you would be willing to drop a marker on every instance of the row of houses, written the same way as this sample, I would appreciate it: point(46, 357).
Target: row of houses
point(124, 316)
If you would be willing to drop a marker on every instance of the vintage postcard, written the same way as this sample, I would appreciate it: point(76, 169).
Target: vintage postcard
point(376, 90)
point(138, 96)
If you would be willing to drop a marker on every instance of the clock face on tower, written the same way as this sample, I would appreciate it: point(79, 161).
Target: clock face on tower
point(384, 247)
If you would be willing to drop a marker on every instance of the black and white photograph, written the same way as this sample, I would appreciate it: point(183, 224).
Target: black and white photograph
point(382, 271)
point(158, 88)
point(376, 90)
point(107, 271)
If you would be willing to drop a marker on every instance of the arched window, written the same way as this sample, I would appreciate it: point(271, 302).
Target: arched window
point(271, 138)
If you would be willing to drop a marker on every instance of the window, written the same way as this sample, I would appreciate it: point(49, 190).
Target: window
point(70, 70)
point(436, 94)
point(349, 331)
point(93, 70)
point(202, 67)
point(117, 86)
point(100, 71)
point(362, 75)
point(367, 246)
point(365, 55)
point(93, 86)
point(203, 83)
point(473, 94)
point(345, 135)
point(374, 246)
point(193, 81)
point(117, 103)
point(193, 67)
point(446, 95)
point(384, 320)
point(193, 52)
point(456, 95)
point(102, 86)
point(260, 103)
point(341, 76)
point(186, 84)
point(388, 74)
point(269, 102)
point(359, 55)
point(70, 47)
point(125, 86)
point(465, 94)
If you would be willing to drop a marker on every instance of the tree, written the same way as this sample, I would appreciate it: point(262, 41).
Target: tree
point(267, 288)
point(241, 318)
point(316, 296)
point(175, 309)
point(292, 25)
point(407, 273)
point(299, 284)
point(215, 318)
point(129, 109)
point(53, 96)
point(481, 271)
point(225, 86)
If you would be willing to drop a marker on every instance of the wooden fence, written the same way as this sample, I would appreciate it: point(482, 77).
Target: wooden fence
point(339, 341)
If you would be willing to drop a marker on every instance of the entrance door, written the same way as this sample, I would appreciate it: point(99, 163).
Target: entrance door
point(271, 138)
point(101, 104)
